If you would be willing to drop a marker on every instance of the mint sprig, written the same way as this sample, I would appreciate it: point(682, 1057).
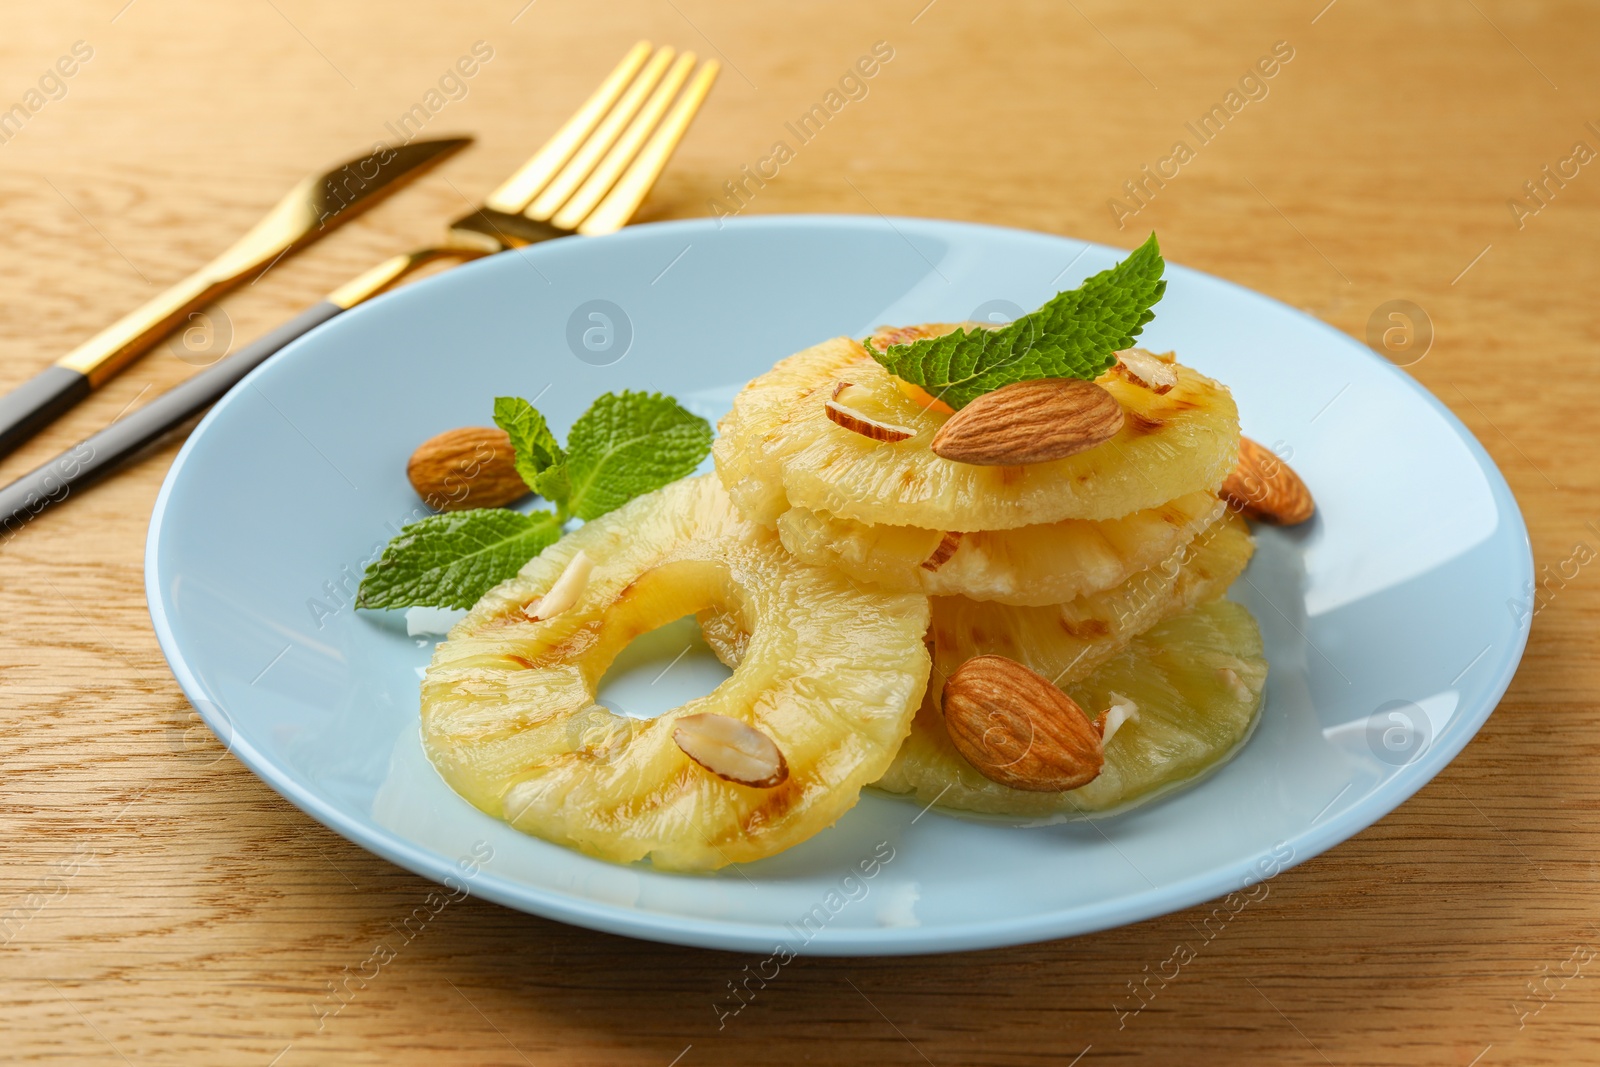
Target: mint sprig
point(1074, 335)
point(450, 560)
point(626, 444)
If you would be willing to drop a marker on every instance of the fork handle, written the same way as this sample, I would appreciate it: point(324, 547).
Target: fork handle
point(396, 269)
point(97, 456)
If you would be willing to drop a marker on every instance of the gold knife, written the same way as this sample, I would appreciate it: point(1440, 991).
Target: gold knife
point(588, 179)
point(313, 208)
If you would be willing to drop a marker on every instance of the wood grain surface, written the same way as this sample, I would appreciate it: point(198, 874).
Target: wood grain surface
point(161, 905)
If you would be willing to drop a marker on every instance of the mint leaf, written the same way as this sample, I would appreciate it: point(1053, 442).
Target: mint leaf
point(450, 560)
point(553, 484)
point(535, 447)
point(1073, 336)
point(627, 444)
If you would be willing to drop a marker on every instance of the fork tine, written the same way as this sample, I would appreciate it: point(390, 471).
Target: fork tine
point(627, 146)
point(626, 196)
point(516, 191)
point(561, 186)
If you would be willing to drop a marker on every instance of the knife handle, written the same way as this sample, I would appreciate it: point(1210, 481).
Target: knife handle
point(43, 398)
point(37, 402)
point(130, 435)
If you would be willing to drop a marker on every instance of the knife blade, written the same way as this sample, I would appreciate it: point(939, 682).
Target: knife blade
point(316, 206)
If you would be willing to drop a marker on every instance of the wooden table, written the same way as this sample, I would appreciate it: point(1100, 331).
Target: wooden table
point(163, 906)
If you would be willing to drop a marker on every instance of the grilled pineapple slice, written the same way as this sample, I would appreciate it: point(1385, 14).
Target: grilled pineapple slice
point(831, 673)
point(1049, 563)
point(1064, 642)
point(1197, 680)
point(778, 449)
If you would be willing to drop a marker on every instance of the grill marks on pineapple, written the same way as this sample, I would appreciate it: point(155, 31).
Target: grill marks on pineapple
point(570, 647)
point(1085, 629)
point(1171, 514)
point(1147, 414)
point(1180, 403)
point(775, 804)
point(1140, 425)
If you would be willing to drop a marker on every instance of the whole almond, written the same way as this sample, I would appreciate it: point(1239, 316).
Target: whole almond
point(1018, 729)
point(1030, 422)
point(731, 750)
point(1263, 487)
point(467, 468)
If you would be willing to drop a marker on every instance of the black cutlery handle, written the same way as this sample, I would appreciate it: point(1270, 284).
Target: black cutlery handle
point(37, 402)
point(99, 455)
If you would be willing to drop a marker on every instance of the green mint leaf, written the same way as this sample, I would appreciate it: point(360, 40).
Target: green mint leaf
point(628, 444)
point(554, 484)
point(1073, 336)
point(450, 560)
point(535, 447)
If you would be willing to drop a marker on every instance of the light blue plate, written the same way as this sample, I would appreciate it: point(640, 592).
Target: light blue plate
point(1390, 621)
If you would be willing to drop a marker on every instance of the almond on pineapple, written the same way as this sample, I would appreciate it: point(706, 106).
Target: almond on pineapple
point(472, 467)
point(1188, 720)
point(842, 414)
point(1018, 729)
point(1146, 369)
point(943, 551)
point(1030, 422)
point(1110, 721)
point(733, 751)
point(566, 590)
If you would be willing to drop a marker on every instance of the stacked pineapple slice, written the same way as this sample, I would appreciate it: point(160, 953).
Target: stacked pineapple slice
point(779, 449)
point(1100, 572)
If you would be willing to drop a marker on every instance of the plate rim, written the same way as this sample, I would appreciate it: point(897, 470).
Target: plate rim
point(1070, 921)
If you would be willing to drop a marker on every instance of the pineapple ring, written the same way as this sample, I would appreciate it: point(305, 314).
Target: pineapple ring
point(1049, 563)
point(778, 449)
point(1067, 641)
point(1061, 641)
point(831, 673)
point(1197, 680)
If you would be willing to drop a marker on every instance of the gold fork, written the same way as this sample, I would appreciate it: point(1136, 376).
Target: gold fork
point(588, 179)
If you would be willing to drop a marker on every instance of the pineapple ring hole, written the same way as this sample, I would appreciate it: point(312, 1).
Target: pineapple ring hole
point(648, 657)
point(659, 670)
